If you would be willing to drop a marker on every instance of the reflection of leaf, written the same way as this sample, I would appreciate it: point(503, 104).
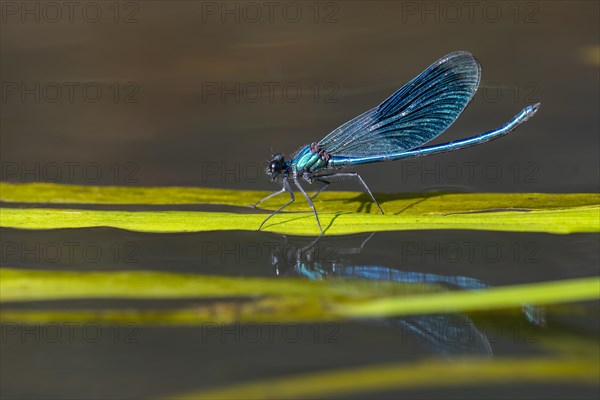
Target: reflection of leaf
point(491, 298)
point(288, 299)
point(590, 55)
point(25, 285)
point(268, 310)
point(297, 300)
point(423, 375)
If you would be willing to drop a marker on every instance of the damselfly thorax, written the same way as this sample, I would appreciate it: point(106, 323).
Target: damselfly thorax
point(310, 159)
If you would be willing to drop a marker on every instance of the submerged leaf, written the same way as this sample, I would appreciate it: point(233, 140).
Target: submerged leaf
point(27, 285)
point(290, 298)
point(488, 299)
point(422, 375)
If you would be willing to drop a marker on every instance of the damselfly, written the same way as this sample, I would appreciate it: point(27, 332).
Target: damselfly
point(396, 129)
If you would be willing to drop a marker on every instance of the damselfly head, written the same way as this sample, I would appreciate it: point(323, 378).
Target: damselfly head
point(276, 165)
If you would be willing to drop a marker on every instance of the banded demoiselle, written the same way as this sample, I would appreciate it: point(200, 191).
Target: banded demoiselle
point(396, 129)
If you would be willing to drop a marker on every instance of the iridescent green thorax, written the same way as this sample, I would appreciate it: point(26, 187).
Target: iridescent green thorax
point(310, 159)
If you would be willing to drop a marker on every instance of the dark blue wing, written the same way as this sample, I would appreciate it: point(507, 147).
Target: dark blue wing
point(451, 335)
point(414, 115)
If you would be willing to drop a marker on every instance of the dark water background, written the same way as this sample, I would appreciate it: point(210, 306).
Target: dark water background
point(155, 361)
point(177, 133)
point(156, 122)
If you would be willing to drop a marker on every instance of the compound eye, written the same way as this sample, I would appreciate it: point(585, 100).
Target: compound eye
point(274, 166)
point(278, 157)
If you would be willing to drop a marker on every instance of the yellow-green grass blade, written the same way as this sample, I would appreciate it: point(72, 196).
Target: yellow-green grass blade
point(406, 204)
point(554, 221)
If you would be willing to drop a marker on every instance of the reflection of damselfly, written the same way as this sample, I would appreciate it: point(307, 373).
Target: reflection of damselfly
point(396, 129)
point(450, 335)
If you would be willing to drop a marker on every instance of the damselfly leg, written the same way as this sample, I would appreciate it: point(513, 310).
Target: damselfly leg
point(286, 187)
point(325, 186)
point(348, 175)
point(326, 182)
point(269, 196)
point(310, 203)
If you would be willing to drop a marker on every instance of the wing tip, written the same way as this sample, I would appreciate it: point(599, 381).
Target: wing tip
point(458, 53)
point(466, 55)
